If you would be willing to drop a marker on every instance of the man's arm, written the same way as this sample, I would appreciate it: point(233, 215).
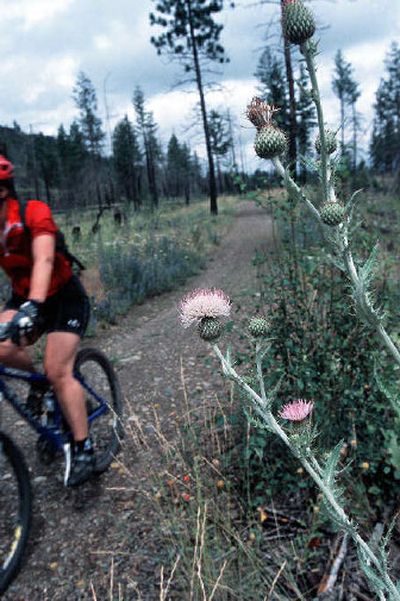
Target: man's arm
point(43, 252)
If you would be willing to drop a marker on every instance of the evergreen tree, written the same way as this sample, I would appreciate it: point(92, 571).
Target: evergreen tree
point(174, 168)
point(385, 143)
point(85, 99)
point(220, 141)
point(273, 89)
point(47, 161)
point(341, 85)
point(72, 152)
point(354, 94)
point(191, 37)
point(127, 159)
point(152, 151)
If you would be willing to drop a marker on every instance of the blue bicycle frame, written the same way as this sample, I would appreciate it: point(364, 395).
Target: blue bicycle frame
point(54, 432)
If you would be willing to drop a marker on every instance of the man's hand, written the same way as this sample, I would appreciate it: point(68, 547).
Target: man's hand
point(25, 325)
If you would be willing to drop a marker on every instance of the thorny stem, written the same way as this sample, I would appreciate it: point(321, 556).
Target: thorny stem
point(265, 413)
point(328, 190)
point(348, 261)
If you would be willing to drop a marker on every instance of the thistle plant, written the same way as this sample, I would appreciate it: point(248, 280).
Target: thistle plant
point(335, 220)
point(299, 437)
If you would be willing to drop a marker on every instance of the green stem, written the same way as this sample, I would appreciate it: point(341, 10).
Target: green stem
point(348, 260)
point(308, 53)
point(268, 418)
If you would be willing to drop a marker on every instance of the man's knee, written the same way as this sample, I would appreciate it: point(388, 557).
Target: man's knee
point(57, 374)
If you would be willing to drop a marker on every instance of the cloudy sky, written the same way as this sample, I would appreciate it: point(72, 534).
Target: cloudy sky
point(45, 43)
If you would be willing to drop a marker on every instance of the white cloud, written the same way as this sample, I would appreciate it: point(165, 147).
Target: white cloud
point(31, 13)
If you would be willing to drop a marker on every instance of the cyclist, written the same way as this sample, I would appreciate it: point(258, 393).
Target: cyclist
point(46, 298)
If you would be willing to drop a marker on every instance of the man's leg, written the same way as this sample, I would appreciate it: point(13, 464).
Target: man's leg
point(61, 349)
point(59, 360)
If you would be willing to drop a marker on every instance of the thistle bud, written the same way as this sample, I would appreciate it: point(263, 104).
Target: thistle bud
point(330, 142)
point(298, 22)
point(270, 142)
point(332, 213)
point(210, 328)
point(258, 327)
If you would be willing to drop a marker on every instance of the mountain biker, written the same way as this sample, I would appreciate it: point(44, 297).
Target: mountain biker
point(46, 298)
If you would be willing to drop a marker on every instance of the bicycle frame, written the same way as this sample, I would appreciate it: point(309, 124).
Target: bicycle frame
point(53, 432)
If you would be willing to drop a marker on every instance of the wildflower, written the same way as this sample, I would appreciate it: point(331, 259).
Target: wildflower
point(186, 478)
point(202, 303)
point(186, 497)
point(297, 411)
point(365, 465)
point(220, 484)
point(204, 307)
point(270, 141)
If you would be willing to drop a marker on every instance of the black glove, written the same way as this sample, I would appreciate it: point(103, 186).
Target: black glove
point(25, 325)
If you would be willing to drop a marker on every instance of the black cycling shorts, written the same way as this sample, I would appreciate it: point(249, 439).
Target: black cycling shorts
point(66, 311)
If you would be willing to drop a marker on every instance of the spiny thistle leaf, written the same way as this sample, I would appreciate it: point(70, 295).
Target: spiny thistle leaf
point(256, 422)
point(362, 293)
point(391, 394)
point(331, 465)
point(373, 578)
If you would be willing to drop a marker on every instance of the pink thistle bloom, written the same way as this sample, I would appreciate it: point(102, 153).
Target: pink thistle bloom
point(203, 302)
point(296, 411)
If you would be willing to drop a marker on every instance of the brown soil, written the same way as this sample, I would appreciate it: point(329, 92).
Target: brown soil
point(81, 539)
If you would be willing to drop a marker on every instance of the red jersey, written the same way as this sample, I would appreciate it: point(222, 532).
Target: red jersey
point(16, 246)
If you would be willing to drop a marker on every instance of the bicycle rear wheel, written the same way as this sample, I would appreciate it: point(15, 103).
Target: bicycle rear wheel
point(15, 510)
point(101, 386)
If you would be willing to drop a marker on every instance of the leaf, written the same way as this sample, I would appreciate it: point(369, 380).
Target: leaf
point(330, 468)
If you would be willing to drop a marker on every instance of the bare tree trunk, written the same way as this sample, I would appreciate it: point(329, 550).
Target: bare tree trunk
point(355, 124)
point(292, 151)
point(211, 170)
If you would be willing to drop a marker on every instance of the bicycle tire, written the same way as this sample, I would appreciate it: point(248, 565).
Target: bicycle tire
point(94, 367)
point(14, 479)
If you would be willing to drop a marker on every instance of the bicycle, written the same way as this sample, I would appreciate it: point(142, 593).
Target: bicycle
point(104, 406)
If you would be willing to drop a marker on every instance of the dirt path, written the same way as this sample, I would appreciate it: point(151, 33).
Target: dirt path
point(80, 537)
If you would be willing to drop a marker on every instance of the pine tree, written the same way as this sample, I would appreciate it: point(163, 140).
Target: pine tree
point(341, 85)
point(192, 37)
point(85, 98)
point(47, 163)
point(273, 89)
point(220, 141)
point(152, 152)
point(127, 159)
point(385, 142)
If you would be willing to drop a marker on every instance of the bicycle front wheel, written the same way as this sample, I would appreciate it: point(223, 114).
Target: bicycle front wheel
point(15, 510)
point(104, 398)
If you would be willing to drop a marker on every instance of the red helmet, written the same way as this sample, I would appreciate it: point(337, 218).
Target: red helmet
point(6, 168)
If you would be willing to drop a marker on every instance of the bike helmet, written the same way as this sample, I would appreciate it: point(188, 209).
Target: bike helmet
point(6, 168)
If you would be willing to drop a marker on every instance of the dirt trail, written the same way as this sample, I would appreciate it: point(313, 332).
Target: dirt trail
point(78, 535)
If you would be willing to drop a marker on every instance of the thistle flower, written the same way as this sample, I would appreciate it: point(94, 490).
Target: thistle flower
point(203, 303)
point(296, 411)
point(270, 141)
point(260, 113)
